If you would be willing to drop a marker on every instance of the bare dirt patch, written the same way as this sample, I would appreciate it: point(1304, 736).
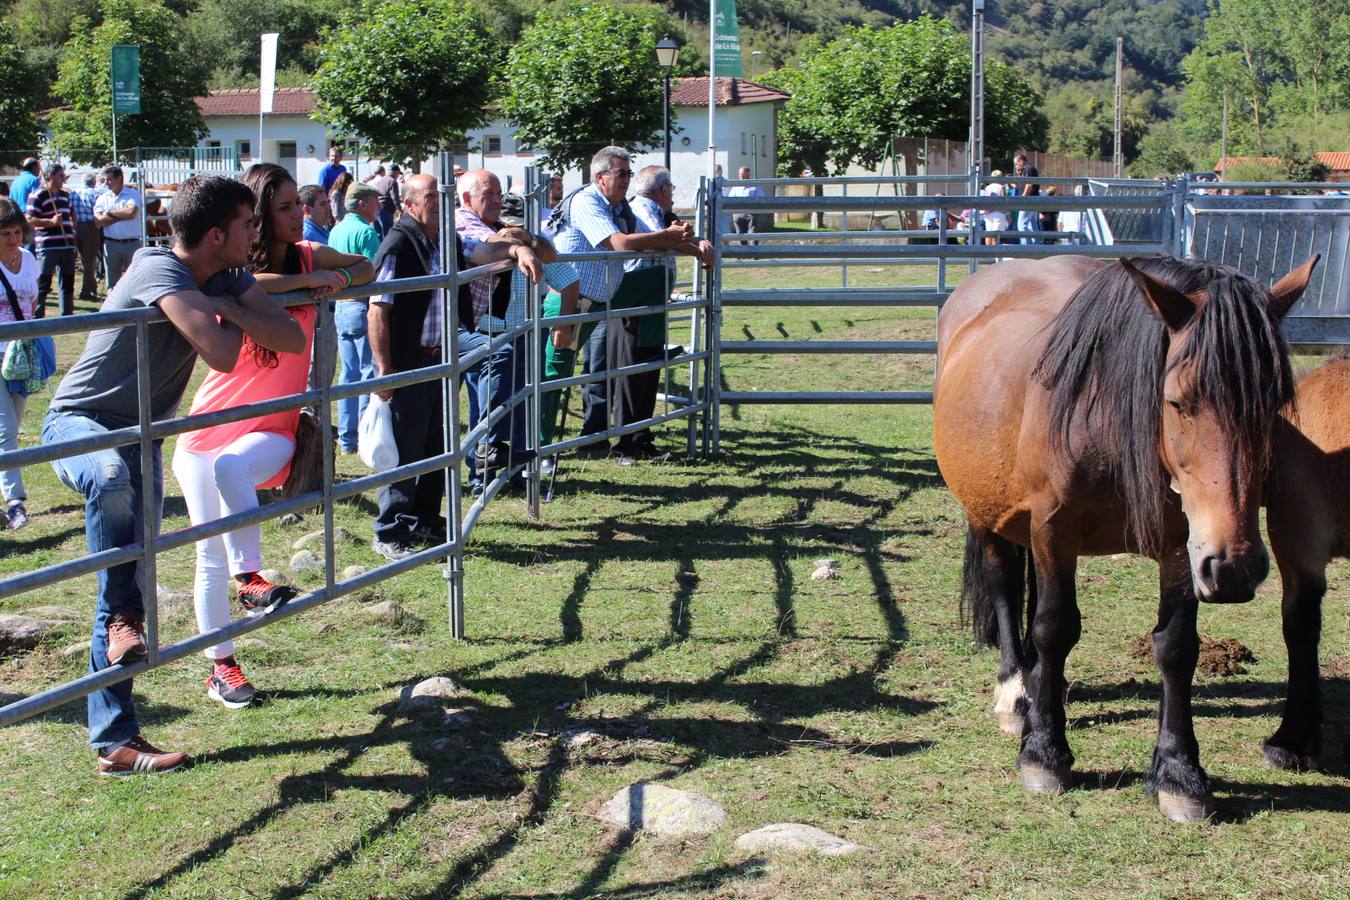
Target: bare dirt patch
point(1219, 658)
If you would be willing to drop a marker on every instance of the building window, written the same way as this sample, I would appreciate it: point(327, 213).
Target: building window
point(745, 147)
point(492, 143)
point(243, 149)
point(286, 149)
point(763, 145)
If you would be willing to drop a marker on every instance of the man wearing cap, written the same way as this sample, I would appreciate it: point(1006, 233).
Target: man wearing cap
point(117, 212)
point(499, 306)
point(354, 234)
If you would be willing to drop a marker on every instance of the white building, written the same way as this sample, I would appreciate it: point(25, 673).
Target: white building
point(747, 135)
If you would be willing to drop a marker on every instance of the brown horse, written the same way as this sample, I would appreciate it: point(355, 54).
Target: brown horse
point(1069, 394)
point(1308, 518)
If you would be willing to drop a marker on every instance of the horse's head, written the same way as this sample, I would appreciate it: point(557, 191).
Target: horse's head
point(1226, 379)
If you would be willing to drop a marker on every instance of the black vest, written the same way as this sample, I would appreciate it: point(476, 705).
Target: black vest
point(412, 251)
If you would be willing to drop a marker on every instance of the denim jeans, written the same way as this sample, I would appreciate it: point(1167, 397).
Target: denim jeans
point(357, 365)
point(595, 419)
point(60, 263)
point(502, 375)
point(1029, 220)
point(112, 484)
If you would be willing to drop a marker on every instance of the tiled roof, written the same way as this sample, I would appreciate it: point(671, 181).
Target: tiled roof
point(730, 92)
point(236, 102)
point(1337, 161)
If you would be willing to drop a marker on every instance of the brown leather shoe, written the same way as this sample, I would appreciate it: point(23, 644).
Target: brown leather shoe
point(126, 640)
point(138, 755)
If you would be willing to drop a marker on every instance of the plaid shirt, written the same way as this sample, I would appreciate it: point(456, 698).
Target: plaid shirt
point(592, 220)
point(82, 201)
point(431, 325)
point(558, 275)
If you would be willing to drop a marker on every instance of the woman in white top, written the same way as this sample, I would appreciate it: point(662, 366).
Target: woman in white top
point(994, 219)
point(19, 287)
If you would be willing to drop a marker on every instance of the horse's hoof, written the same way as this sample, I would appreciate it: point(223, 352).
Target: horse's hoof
point(1011, 723)
point(1283, 758)
point(1044, 781)
point(1186, 810)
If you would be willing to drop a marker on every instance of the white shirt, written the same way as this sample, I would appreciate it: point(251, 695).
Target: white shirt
point(25, 284)
point(994, 219)
point(129, 229)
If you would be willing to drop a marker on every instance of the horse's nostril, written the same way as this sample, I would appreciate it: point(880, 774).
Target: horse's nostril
point(1209, 569)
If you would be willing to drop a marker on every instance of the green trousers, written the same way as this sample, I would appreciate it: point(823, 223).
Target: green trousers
point(558, 363)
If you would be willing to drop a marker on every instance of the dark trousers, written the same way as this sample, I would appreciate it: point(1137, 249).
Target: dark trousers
point(56, 262)
point(595, 418)
point(634, 395)
point(419, 434)
point(87, 237)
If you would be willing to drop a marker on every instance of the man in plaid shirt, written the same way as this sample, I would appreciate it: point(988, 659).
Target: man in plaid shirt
point(503, 373)
point(88, 236)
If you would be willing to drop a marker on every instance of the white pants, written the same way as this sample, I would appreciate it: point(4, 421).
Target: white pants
point(216, 485)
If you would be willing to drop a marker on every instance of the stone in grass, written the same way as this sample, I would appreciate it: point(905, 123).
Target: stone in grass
point(429, 693)
point(53, 614)
point(664, 811)
point(276, 576)
point(21, 632)
point(340, 535)
point(305, 561)
point(79, 648)
point(353, 572)
point(825, 563)
point(824, 573)
point(386, 613)
point(793, 837)
point(252, 643)
point(169, 598)
point(291, 519)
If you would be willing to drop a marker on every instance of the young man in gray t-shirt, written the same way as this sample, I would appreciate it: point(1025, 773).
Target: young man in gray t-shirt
point(211, 302)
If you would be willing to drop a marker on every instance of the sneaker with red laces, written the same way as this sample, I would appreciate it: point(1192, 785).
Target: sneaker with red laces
point(138, 755)
point(228, 684)
point(259, 596)
point(126, 639)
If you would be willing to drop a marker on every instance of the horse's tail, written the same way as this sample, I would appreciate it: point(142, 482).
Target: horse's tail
point(978, 587)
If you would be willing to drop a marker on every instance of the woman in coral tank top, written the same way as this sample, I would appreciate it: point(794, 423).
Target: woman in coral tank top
point(221, 467)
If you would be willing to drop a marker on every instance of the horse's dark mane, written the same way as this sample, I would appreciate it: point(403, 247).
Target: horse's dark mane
point(1107, 358)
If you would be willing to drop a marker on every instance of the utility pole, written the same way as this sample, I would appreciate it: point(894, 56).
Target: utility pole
point(1118, 158)
point(1223, 138)
point(977, 86)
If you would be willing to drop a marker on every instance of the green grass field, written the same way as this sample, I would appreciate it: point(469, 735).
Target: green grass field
point(670, 610)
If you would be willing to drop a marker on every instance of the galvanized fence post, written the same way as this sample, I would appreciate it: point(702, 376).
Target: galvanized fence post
point(534, 353)
point(150, 499)
point(450, 394)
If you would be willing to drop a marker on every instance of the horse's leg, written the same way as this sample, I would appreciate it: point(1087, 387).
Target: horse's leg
point(1046, 760)
point(1298, 741)
point(1175, 775)
point(992, 588)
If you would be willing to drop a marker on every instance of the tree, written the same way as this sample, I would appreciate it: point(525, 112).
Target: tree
point(582, 77)
point(173, 75)
point(852, 96)
point(1162, 152)
point(228, 30)
point(406, 75)
point(19, 129)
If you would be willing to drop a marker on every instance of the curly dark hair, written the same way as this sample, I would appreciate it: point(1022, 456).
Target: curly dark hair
point(264, 179)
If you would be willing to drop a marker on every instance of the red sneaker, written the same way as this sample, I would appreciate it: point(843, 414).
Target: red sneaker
point(126, 640)
point(228, 684)
point(138, 755)
point(259, 596)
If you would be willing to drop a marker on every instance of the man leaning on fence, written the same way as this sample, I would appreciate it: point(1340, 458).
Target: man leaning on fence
point(405, 334)
point(597, 217)
point(211, 302)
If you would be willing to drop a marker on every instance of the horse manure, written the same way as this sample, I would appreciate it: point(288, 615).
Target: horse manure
point(1218, 658)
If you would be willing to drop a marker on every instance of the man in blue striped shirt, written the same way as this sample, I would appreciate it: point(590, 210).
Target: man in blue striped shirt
point(598, 218)
point(53, 222)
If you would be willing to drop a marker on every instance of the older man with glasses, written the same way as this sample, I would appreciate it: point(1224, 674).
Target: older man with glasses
point(598, 217)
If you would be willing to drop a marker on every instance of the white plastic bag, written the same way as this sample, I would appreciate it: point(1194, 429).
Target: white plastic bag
point(375, 436)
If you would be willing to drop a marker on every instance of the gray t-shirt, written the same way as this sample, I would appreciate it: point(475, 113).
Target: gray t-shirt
point(102, 383)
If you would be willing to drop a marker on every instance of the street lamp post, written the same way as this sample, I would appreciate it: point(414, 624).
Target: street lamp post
point(667, 52)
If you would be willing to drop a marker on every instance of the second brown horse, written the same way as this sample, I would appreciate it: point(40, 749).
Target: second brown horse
point(1071, 395)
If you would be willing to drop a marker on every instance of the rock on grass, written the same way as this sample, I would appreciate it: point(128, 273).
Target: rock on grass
point(21, 632)
point(793, 837)
point(664, 811)
point(429, 693)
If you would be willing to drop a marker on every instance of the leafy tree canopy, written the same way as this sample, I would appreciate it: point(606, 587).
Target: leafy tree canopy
point(584, 76)
point(856, 93)
point(173, 74)
point(18, 110)
point(407, 75)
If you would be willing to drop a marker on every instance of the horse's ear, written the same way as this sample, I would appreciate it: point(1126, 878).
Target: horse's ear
point(1288, 289)
point(1171, 305)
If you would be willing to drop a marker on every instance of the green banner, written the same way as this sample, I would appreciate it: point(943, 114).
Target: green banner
point(727, 40)
point(126, 79)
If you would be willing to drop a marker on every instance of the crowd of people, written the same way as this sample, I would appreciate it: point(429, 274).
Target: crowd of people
point(236, 244)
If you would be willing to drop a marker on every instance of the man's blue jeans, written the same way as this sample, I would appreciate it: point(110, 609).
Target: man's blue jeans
point(501, 376)
point(349, 316)
point(1028, 220)
point(111, 483)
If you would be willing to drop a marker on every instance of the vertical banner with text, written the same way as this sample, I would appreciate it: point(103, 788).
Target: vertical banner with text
point(126, 79)
point(727, 40)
